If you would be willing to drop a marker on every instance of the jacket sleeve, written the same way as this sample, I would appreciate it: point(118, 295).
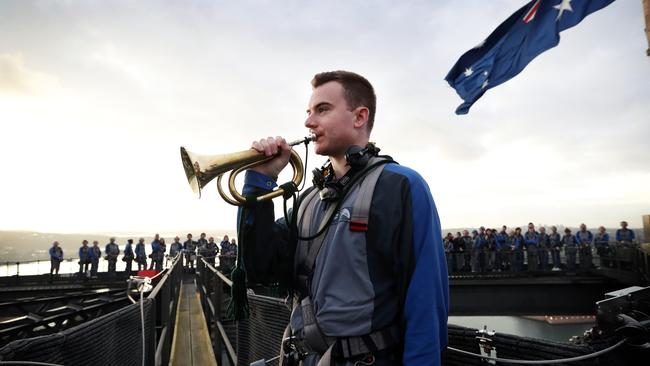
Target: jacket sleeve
point(427, 297)
point(266, 250)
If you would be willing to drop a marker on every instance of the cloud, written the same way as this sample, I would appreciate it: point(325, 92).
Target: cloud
point(17, 78)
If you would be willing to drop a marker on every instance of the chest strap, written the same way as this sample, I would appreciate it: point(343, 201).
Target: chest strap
point(358, 221)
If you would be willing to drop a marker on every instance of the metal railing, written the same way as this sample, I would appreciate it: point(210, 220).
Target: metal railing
point(210, 283)
point(165, 296)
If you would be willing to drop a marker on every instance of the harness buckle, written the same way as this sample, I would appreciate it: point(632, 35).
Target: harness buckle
point(484, 338)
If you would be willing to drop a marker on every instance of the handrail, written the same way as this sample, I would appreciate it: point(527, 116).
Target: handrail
point(165, 296)
point(210, 283)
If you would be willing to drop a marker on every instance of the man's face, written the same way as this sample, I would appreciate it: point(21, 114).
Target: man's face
point(531, 228)
point(465, 232)
point(542, 230)
point(624, 225)
point(583, 227)
point(330, 120)
point(157, 237)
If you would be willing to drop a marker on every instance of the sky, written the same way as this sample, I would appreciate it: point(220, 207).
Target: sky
point(96, 98)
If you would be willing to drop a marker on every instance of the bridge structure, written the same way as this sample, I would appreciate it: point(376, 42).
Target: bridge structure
point(182, 306)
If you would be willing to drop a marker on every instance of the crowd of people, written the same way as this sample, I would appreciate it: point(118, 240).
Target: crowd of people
point(90, 255)
point(489, 250)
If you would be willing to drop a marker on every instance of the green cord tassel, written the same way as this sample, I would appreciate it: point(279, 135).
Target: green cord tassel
point(238, 308)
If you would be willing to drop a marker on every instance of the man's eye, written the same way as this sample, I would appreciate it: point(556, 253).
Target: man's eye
point(321, 109)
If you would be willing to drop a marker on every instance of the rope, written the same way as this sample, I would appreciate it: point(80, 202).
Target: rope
point(542, 362)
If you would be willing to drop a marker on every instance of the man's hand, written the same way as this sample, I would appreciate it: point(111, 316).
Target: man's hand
point(276, 147)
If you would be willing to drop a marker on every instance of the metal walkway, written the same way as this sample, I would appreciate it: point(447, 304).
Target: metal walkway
point(191, 344)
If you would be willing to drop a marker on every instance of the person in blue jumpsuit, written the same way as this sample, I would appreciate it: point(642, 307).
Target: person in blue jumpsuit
point(479, 249)
point(492, 250)
point(189, 247)
point(555, 243)
point(502, 251)
point(585, 239)
point(448, 242)
point(570, 248)
point(624, 235)
point(84, 257)
point(466, 248)
point(517, 249)
point(381, 283)
point(601, 242)
point(157, 253)
point(141, 254)
point(531, 240)
point(128, 257)
point(95, 255)
point(112, 251)
point(543, 249)
point(56, 257)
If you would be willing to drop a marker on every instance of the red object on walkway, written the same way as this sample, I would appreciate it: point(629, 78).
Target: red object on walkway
point(148, 273)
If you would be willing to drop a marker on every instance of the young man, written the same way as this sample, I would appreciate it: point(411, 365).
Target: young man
point(375, 289)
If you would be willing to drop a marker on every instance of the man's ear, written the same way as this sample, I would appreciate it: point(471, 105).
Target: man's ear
point(361, 116)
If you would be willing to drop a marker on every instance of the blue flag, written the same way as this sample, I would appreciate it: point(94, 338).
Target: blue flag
point(530, 31)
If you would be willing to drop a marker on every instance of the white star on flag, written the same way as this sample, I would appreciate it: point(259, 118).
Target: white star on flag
point(468, 71)
point(564, 5)
point(485, 84)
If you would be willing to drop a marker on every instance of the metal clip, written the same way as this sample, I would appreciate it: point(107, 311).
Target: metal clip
point(483, 336)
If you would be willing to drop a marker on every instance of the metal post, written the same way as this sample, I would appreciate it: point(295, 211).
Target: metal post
point(165, 321)
point(217, 287)
point(17, 269)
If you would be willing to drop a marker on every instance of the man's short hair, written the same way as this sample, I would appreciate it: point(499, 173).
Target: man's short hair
point(358, 90)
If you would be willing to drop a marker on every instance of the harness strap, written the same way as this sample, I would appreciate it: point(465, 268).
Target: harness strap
point(361, 207)
point(377, 341)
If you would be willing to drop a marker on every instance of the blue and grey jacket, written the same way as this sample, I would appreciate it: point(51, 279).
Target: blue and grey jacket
point(157, 251)
point(84, 254)
point(95, 253)
point(602, 240)
point(555, 240)
point(502, 239)
point(480, 242)
point(626, 235)
point(393, 273)
point(531, 239)
point(140, 250)
point(128, 252)
point(56, 253)
point(175, 248)
point(584, 237)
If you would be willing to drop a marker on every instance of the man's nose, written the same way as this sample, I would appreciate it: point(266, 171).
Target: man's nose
point(310, 122)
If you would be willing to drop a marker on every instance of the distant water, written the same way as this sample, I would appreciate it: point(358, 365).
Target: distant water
point(67, 266)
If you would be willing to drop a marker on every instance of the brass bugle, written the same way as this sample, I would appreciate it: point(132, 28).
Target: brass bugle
point(201, 169)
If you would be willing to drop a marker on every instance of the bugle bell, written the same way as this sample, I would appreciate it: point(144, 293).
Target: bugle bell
point(201, 169)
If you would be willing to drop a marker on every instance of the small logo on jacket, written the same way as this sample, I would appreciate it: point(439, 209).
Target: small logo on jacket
point(343, 215)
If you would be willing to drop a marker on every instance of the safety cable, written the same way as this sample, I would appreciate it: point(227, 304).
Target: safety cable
point(542, 362)
point(28, 363)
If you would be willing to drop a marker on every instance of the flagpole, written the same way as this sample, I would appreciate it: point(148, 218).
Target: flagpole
point(646, 11)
